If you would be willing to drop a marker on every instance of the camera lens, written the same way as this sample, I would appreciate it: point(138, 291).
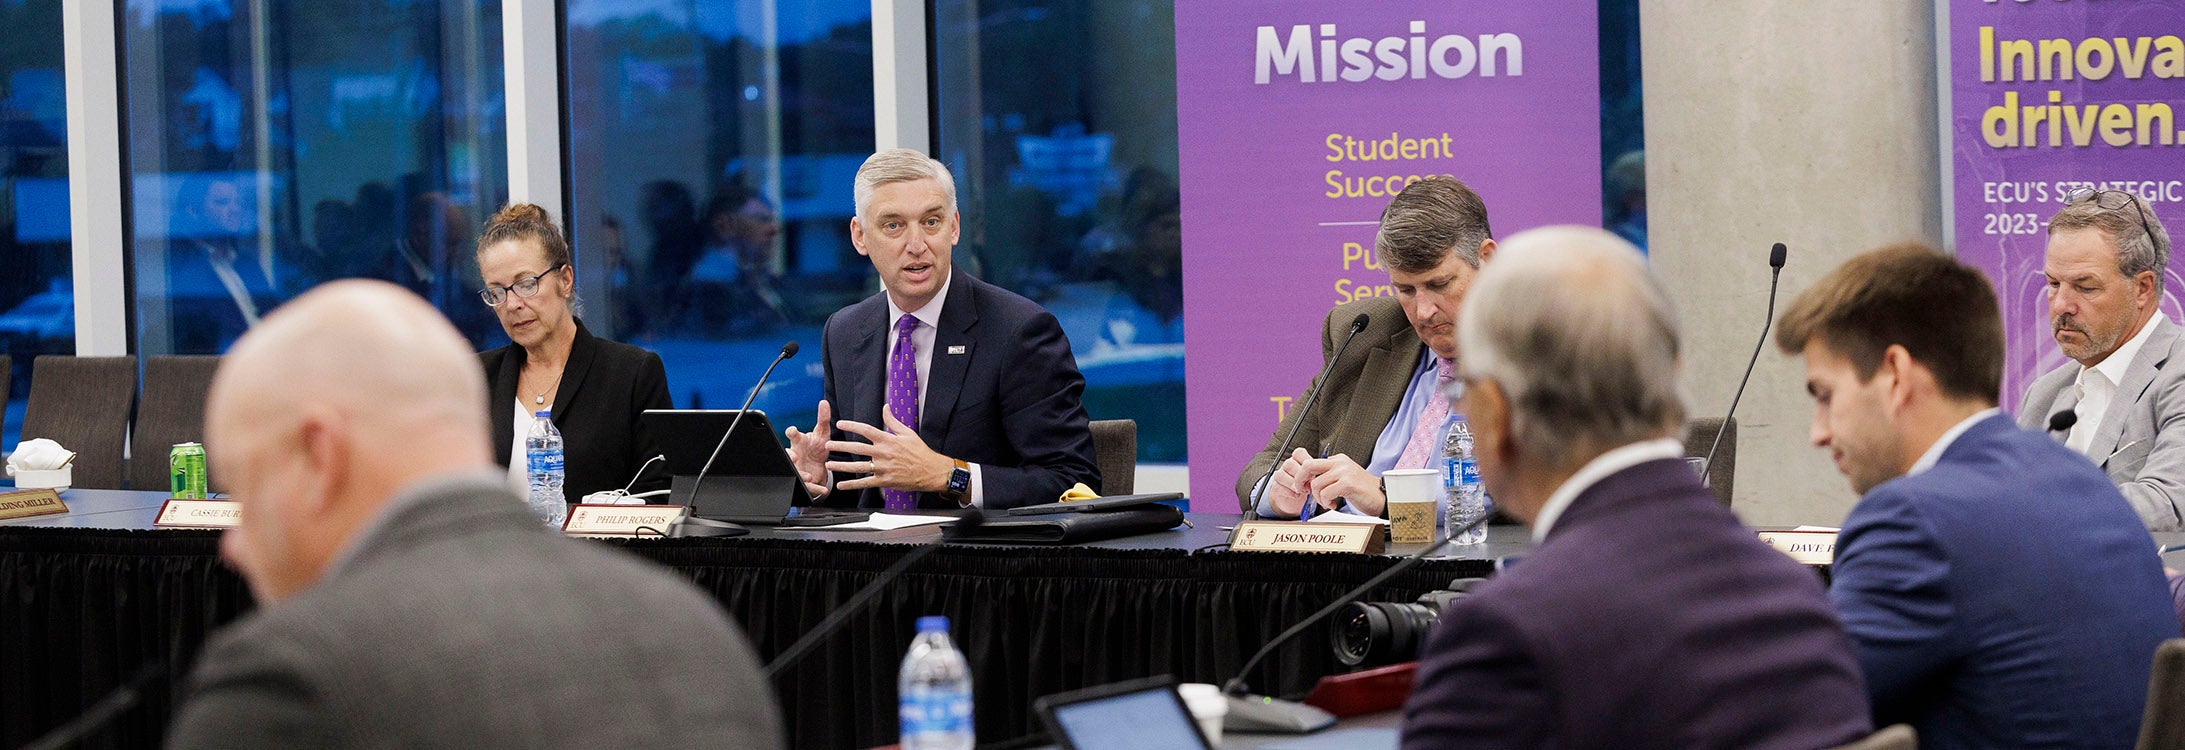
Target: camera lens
point(1372, 634)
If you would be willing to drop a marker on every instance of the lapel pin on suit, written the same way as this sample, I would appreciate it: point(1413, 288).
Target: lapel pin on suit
point(956, 349)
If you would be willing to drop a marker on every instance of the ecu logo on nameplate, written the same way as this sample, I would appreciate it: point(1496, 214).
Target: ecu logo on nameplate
point(1295, 536)
point(27, 503)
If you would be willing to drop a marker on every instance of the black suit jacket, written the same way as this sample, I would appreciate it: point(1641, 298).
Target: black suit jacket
point(1010, 401)
point(1648, 618)
point(604, 387)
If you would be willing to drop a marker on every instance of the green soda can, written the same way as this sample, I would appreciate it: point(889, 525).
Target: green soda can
point(186, 471)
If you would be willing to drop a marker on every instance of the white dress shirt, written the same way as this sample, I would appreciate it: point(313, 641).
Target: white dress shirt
point(922, 338)
point(1601, 467)
point(2097, 386)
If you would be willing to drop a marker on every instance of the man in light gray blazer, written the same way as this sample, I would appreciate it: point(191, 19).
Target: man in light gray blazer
point(2125, 387)
point(407, 597)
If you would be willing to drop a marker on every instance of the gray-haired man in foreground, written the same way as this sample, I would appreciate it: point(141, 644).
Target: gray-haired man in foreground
point(407, 598)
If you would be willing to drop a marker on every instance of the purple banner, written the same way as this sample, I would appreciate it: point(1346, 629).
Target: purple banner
point(1297, 121)
point(2044, 97)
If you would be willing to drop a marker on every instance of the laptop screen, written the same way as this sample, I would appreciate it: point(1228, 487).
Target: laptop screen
point(1152, 719)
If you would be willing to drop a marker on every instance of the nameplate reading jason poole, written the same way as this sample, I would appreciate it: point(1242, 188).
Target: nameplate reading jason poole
point(178, 513)
point(1291, 536)
point(621, 520)
point(27, 503)
point(1808, 547)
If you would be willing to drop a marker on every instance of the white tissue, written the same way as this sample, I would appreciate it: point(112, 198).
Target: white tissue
point(39, 454)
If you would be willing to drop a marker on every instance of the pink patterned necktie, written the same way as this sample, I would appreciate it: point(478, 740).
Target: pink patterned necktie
point(903, 397)
point(1421, 447)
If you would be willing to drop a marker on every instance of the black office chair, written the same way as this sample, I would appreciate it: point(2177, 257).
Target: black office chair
point(83, 404)
point(1115, 451)
point(171, 411)
point(1699, 435)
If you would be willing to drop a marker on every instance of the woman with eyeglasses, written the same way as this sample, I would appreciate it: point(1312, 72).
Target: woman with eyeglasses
point(595, 388)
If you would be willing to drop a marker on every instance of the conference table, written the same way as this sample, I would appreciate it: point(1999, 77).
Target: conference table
point(97, 595)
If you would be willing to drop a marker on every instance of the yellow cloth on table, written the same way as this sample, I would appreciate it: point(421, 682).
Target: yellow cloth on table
point(1079, 492)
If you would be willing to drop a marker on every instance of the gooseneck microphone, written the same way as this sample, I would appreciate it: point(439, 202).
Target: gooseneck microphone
point(971, 519)
point(1775, 274)
point(2062, 420)
point(1251, 513)
point(100, 714)
point(1307, 716)
point(690, 524)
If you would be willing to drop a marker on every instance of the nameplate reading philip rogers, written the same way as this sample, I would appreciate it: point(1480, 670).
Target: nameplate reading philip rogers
point(1292, 536)
point(179, 513)
point(621, 520)
point(27, 503)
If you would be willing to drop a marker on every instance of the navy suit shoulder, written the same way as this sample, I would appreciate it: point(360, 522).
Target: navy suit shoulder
point(1005, 393)
point(1649, 618)
point(2006, 597)
point(605, 386)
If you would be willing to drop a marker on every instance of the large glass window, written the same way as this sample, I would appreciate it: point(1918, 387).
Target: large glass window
point(277, 144)
point(37, 308)
point(712, 148)
point(1059, 119)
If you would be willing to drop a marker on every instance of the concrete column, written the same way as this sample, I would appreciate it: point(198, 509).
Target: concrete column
point(1810, 124)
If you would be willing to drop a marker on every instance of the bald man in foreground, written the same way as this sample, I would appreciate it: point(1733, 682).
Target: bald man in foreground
point(406, 597)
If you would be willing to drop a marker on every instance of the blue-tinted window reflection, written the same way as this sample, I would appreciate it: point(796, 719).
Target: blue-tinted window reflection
point(278, 145)
point(37, 304)
point(712, 147)
point(1059, 119)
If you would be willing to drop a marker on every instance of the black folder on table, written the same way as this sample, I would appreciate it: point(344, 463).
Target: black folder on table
point(1068, 528)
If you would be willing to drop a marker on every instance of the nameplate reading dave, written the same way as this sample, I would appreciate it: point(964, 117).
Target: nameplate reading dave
point(621, 520)
point(1292, 536)
point(179, 513)
point(27, 503)
point(1808, 547)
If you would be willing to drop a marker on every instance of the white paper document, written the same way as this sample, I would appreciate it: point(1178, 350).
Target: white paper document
point(883, 522)
point(1334, 516)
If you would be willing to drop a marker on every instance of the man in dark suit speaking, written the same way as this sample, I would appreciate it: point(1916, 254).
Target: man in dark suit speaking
point(952, 392)
point(406, 597)
point(1647, 616)
point(1998, 588)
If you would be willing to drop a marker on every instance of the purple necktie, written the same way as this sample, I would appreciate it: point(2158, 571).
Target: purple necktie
point(903, 397)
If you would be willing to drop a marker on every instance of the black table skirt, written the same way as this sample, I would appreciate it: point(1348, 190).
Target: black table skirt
point(82, 610)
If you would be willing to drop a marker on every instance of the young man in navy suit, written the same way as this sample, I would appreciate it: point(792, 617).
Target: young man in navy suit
point(1998, 588)
point(952, 392)
point(1647, 616)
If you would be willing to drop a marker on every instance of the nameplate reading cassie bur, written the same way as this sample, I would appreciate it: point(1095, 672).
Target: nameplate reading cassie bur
point(1292, 536)
point(180, 513)
point(1807, 547)
point(27, 503)
point(620, 520)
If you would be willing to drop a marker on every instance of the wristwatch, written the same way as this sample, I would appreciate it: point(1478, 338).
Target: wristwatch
point(959, 483)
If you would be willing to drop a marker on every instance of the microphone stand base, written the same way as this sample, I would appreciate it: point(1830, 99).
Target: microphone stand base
point(1259, 713)
point(689, 526)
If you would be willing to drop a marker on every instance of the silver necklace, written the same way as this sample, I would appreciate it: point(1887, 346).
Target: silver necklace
point(539, 399)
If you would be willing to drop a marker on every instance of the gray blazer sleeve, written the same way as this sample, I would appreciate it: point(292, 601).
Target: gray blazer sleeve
point(2157, 487)
point(255, 690)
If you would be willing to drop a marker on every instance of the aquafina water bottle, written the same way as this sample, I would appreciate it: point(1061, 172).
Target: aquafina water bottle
point(543, 466)
point(1463, 497)
point(935, 691)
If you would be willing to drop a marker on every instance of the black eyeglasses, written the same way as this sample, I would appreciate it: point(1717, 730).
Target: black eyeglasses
point(2116, 200)
point(524, 287)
